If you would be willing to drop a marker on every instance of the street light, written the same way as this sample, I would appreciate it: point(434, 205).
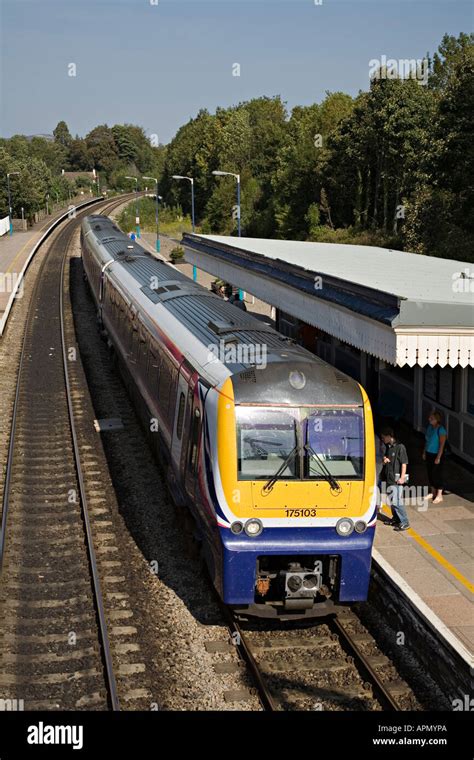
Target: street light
point(191, 180)
point(157, 215)
point(10, 174)
point(47, 204)
point(137, 217)
point(237, 177)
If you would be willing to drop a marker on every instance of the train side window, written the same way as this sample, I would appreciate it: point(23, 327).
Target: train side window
point(180, 420)
point(164, 386)
point(143, 348)
point(193, 448)
point(135, 348)
point(173, 380)
point(153, 361)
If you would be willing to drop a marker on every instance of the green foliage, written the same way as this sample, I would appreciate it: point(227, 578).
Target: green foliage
point(102, 148)
point(79, 157)
point(61, 134)
point(171, 218)
point(177, 254)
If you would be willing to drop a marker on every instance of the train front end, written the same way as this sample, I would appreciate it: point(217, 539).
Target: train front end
point(294, 476)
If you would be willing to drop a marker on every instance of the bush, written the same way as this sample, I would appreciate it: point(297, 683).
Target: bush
point(177, 254)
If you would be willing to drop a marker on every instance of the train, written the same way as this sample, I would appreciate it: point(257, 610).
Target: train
point(268, 449)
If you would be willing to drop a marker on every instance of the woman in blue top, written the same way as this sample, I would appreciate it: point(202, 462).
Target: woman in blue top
point(435, 441)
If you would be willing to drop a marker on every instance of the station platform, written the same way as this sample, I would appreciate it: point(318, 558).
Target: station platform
point(14, 252)
point(433, 561)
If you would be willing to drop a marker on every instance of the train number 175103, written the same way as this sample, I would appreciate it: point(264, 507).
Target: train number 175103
point(300, 512)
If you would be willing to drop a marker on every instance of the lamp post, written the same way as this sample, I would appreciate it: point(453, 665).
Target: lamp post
point(137, 217)
point(191, 180)
point(47, 204)
point(10, 210)
point(237, 177)
point(157, 213)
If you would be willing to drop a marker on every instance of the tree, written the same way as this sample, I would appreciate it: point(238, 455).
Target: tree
point(102, 148)
point(61, 134)
point(300, 170)
point(440, 212)
point(54, 154)
point(450, 53)
point(79, 157)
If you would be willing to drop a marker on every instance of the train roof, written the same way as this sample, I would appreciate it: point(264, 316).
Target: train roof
point(257, 356)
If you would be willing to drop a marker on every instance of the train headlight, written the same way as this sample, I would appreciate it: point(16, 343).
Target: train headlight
point(294, 583)
point(253, 528)
point(344, 527)
point(236, 528)
point(297, 379)
point(311, 582)
point(360, 526)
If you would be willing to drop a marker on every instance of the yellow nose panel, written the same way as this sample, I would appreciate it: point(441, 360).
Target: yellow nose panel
point(304, 495)
point(301, 499)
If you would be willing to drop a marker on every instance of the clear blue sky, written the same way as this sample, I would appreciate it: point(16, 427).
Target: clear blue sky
point(157, 65)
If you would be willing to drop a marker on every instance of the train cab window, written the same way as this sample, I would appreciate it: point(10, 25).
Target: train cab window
point(180, 420)
point(266, 439)
point(333, 441)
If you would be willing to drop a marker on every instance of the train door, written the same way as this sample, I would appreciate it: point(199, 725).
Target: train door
point(190, 445)
point(134, 341)
point(179, 417)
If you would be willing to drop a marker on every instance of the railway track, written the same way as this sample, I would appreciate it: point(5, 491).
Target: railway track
point(334, 664)
point(53, 631)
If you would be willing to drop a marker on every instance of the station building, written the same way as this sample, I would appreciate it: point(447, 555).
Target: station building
point(400, 323)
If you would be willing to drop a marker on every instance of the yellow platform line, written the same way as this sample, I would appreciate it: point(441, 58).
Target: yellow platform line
point(435, 554)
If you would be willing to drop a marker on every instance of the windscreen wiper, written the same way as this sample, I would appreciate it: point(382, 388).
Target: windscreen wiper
point(335, 485)
point(271, 482)
point(257, 443)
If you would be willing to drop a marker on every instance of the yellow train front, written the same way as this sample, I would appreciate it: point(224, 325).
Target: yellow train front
point(291, 470)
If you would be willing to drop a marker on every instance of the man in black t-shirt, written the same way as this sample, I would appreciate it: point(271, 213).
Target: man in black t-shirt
point(393, 474)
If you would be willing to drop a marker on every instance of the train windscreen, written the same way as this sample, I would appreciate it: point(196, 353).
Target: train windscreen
point(265, 439)
point(334, 440)
point(300, 443)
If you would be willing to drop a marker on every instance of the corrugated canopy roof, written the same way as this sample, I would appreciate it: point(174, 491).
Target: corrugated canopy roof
point(405, 275)
point(409, 293)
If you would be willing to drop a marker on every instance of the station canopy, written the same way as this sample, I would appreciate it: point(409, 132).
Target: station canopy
point(402, 307)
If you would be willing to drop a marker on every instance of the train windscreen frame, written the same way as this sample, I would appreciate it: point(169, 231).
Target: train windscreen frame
point(314, 440)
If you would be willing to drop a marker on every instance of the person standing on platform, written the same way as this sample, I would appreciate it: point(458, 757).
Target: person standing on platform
point(393, 475)
point(435, 445)
point(237, 301)
point(379, 455)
